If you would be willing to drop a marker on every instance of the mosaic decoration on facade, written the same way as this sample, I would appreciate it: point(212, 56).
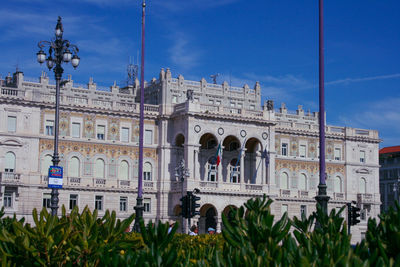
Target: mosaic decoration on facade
point(64, 123)
point(88, 126)
point(113, 129)
point(311, 167)
point(91, 150)
point(293, 147)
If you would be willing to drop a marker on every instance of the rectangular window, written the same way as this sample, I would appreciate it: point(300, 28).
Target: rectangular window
point(123, 203)
point(362, 156)
point(284, 209)
point(232, 104)
point(337, 153)
point(12, 124)
point(174, 99)
point(101, 130)
point(147, 175)
point(125, 134)
point(8, 200)
point(98, 203)
point(303, 211)
point(302, 151)
point(218, 102)
point(73, 201)
point(240, 105)
point(210, 101)
point(148, 137)
point(76, 129)
point(46, 200)
point(284, 150)
point(49, 127)
point(252, 107)
point(147, 205)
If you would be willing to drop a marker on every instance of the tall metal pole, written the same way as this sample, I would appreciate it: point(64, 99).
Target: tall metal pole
point(322, 198)
point(139, 200)
point(58, 70)
point(61, 49)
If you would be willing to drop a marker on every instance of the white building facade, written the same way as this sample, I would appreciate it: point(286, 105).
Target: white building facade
point(183, 120)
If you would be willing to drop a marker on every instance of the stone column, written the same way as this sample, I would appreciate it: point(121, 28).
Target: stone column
point(242, 166)
point(196, 164)
point(217, 224)
point(259, 164)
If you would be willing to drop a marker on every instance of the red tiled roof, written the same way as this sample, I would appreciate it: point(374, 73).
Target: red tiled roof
point(389, 149)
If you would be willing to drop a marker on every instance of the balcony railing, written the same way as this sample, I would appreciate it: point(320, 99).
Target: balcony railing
point(209, 184)
point(339, 196)
point(74, 181)
point(124, 183)
point(10, 177)
point(303, 194)
point(365, 198)
point(148, 184)
point(254, 187)
point(99, 182)
point(284, 193)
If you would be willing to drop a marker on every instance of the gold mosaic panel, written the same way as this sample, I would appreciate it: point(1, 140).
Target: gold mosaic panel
point(90, 150)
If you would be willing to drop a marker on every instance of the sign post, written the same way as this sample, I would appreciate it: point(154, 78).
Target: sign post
point(55, 177)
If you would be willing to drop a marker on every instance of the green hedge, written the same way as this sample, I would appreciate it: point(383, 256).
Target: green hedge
point(250, 238)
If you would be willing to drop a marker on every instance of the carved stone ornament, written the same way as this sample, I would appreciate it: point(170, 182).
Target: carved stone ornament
point(220, 131)
point(264, 135)
point(197, 128)
point(243, 133)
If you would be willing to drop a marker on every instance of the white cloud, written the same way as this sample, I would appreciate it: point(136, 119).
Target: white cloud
point(364, 79)
point(182, 52)
point(382, 115)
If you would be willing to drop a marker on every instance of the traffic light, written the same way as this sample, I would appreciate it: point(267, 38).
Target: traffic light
point(194, 205)
point(185, 206)
point(355, 213)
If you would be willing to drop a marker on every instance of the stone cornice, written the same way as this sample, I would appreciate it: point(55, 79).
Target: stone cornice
point(224, 117)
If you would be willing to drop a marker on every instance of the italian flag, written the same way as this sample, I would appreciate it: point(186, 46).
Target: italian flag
point(219, 154)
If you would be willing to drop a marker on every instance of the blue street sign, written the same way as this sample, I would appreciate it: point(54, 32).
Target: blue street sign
point(55, 177)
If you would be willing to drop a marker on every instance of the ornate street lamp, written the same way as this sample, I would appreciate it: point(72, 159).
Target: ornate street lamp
point(59, 52)
point(322, 197)
point(139, 200)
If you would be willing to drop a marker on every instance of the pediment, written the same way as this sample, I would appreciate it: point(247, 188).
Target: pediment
point(363, 171)
point(10, 142)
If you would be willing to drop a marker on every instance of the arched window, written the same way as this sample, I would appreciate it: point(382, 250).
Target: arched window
point(233, 146)
point(303, 182)
point(147, 171)
point(46, 163)
point(99, 168)
point(74, 167)
point(338, 185)
point(212, 169)
point(234, 171)
point(123, 172)
point(284, 181)
point(363, 186)
point(10, 162)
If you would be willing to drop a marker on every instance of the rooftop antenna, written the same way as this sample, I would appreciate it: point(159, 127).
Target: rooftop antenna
point(132, 71)
point(214, 78)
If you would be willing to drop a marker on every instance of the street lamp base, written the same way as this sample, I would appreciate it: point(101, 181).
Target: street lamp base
point(139, 208)
point(322, 198)
point(54, 201)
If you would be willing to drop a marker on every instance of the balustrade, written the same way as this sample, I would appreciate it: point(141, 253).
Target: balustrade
point(10, 177)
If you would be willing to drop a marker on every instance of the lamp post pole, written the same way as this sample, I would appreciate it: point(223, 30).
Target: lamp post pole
point(322, 197)
point(139, 200)
point(60, 48)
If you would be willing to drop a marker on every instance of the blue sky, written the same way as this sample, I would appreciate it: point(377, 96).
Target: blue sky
point(274, 42)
